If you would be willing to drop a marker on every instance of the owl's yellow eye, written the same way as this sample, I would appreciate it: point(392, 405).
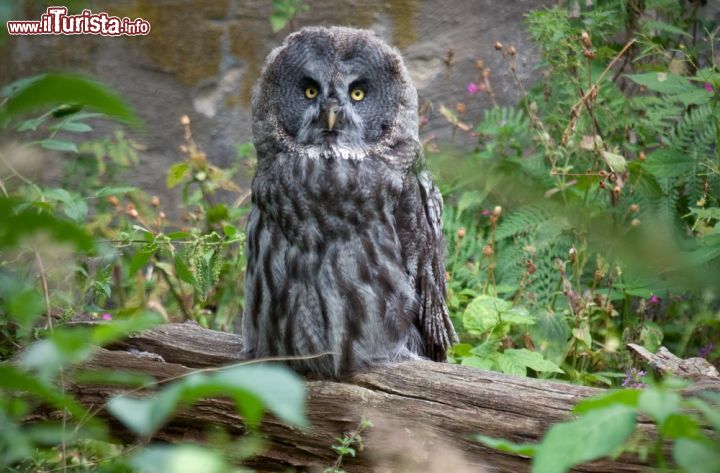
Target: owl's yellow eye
point(357, 94)
point(311, 92)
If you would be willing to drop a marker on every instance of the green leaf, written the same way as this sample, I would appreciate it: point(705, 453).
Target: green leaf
point(230, 231)
point(679, 425)
point(118, 329)
point(625, 397)
point(697, 455)
point(74, 127)
point(675, 87)
point(178, 235)
point(616, 161)
point(14, 379)
point(524, 449)
point(659, 403)
point(477, 362)
point(251, 386)
point(280, 389)
point(532, 359)
point(177, 173)
point(179, 459)
point(141, 258)
point(182, 270)
point(107, 191)
point(31, 124)
point(47, 90)
point(511, 365)
point(21, 223)
point(76, 209)
point(59, 145)
point(142, 416)
point(597, 434)
point(485, 312)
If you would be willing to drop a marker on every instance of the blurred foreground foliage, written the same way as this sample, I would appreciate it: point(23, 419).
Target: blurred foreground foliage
point(97, 248)
point(587, 217)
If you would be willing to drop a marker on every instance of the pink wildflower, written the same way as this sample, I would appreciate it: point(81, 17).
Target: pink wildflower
point(106, 316)
point(708, 86)
point(472, 88)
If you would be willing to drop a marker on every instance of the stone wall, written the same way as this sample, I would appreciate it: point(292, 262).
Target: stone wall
point(203, 57)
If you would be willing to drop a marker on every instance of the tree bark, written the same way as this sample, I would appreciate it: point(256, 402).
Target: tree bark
point(425, 413)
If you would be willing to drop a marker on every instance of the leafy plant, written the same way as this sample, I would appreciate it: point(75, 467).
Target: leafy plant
point(607, 426)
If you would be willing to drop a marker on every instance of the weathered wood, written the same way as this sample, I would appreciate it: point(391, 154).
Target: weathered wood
point(424, 412)
point(665, 362)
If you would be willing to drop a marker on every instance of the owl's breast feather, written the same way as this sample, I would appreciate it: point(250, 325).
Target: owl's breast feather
point(314, 200)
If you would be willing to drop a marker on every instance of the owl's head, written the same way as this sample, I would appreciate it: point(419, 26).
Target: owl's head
point(334, 91)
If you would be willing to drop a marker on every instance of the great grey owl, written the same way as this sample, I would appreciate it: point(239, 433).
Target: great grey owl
point(345, 252)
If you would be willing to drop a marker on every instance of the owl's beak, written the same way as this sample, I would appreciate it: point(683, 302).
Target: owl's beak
point(332, 116)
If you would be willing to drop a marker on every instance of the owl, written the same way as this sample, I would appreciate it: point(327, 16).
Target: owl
point(345, 251)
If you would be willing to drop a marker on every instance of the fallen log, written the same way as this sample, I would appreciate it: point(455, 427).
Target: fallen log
point(425, 413)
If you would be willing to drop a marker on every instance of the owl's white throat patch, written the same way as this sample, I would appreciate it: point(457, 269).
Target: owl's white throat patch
point(334, 151)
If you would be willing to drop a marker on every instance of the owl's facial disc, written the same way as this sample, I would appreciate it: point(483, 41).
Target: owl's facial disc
point(330, 119)
point(337, 92)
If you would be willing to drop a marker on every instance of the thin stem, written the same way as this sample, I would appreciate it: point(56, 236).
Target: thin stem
point(175, 294)
point(46, 292)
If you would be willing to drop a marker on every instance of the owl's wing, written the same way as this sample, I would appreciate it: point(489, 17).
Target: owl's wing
point(419, 221)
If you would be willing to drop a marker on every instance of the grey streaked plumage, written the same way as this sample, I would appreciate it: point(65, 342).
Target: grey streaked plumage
point(345, 248)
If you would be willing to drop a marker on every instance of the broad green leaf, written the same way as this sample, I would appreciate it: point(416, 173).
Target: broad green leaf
point(141, 258)
point(56, 89)
point(138, 415)
point(626, 397)
point(524, 449)
point(280, 389)
point(550, 334)
point(659, 403)
point(176, 174)
point(597, 434)
point(697, 455)
point(485, 312)
point(616, 161)
point(22, 302)
point(253, 387)
point(178, 235)
point(17, 224)
point(182, 270)
point(477, 362)
point(12, 378)
point(179, 459)
point(651, 336)
point(675, 87)
point(230, 231)
point(511, 365)
point(583, 334)
point(76, 209)
point(532, 359)
point(678, 425)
